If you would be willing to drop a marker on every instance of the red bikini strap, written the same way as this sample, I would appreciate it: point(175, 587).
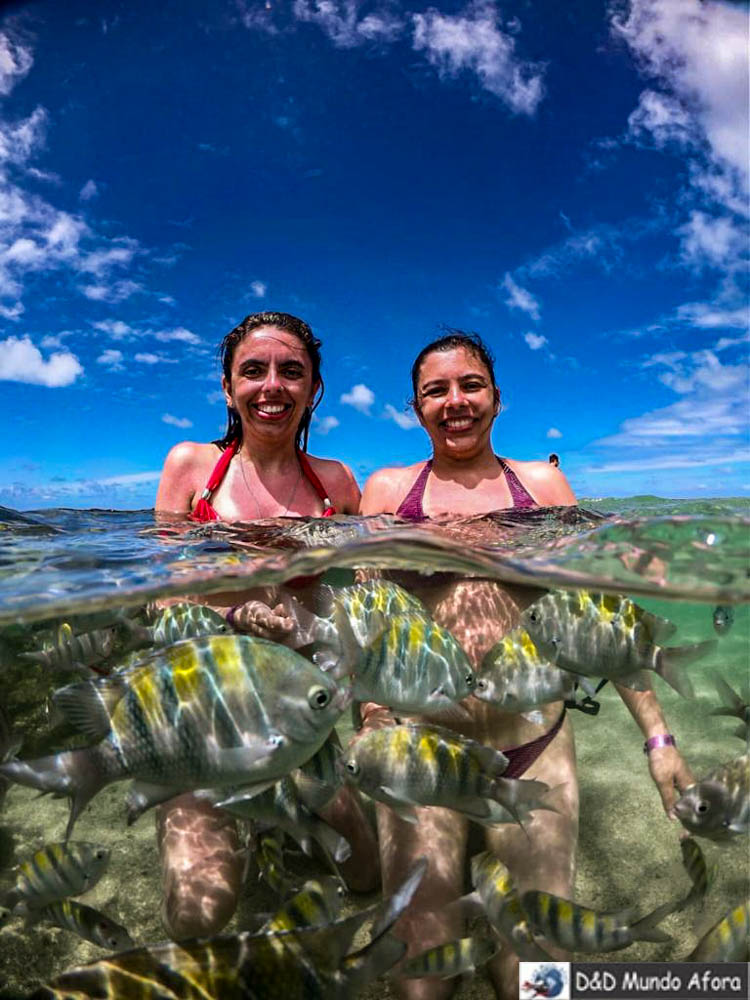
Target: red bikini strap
point(328, 509)
point(220, 468)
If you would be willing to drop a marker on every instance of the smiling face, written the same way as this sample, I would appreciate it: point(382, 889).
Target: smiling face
point(271, 382)
point(456, 402)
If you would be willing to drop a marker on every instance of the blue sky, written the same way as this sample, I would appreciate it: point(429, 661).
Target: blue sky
point(569, 180)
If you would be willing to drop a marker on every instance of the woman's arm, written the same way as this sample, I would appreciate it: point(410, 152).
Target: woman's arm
point(668, 770)
point(178, 483)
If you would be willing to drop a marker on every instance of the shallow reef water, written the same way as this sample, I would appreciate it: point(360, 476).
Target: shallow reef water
point(96, 569)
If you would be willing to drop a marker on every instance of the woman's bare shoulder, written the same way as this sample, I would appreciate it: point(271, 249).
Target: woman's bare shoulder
point(186, 468)
point(546, 483)
point(386, 488)
point(339, 482)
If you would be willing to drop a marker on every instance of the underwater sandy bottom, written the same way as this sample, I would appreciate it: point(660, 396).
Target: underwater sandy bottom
point(628, 851)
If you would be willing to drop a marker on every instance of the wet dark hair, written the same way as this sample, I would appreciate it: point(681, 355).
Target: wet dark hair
point(291, 324)
point(451, 340)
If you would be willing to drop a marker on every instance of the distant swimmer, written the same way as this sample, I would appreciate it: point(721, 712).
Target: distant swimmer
point(554, 459)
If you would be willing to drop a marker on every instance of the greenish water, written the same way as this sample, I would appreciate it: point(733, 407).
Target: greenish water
point(677, 558)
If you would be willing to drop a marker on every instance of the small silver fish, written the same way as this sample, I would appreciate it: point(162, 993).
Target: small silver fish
point(723, 618)
point(87, 923)
point(718, 806)
point(454, 958)
point(56, 872)
point(578, 928)
point(728, 940)
point(601, 635)
point(415, 765)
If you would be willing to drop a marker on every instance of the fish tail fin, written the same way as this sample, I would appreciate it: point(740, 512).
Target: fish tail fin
point(519, 795)
point(672, 659)
point(731, 703)
point(646, 929)
point(73, 773)
point(372, 961)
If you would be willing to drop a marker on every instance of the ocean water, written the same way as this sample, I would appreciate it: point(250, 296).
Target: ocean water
point(677, 558)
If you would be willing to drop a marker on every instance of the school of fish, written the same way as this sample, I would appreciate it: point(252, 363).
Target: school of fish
point(184, 704)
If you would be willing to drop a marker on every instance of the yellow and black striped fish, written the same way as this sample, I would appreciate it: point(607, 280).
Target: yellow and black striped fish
point(728, 940)
point(718, 806)
point(695, 865)
point(454, 958)
point(318, 902)
point(605, 635)
point(82, 653)
point(57, 871)
point(270, 857)
point(202, 713)
point(185, 621)
point(313, 962)
point(501, 904)
point(415, 765)
point(87, 923)
point(577, 928)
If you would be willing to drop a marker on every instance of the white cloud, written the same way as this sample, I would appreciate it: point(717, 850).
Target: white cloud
point(661, 120)
point(709, 316)
point(21, 361)
point(101, 262)
point(339, 20)
point(112, 359)
point(697, 51)
point(325, 424)
point(472, 40)
point(258, 289)
point(535, 340)
point(406, 421)
point(178, 333)
point(553, 432)
point(115, 328)
point(15, 62)
point(116, 292)
point(156, 359)
point(360, 397)
point(176, 421)
point(520, 298)
point(715, 241)
point(88, 191)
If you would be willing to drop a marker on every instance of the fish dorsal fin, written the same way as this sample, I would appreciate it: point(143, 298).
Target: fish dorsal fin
point(88, 706)
point(659, 628)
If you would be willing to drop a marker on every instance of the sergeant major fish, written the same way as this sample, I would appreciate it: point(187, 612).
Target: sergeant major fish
point(695, 866)
point(454, 958)
point(604, 636)
point(56, 872)
point(311, 962)
point(578, 928)
point(718, 806)
point(184, 621)
point(82, 654)
point(318, 902)
point(417, 765)
point(87, 923)
point(728, 940)
point(519, 674)
point(202, 713)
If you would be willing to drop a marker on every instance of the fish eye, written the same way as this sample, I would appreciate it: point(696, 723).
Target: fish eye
point(481, 684)
point(470, 679)
point(702, 807)
point(318, 697)
point(101, 854)
point(352, 767)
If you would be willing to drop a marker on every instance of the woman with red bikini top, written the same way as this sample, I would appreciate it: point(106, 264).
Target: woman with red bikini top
point(456, 399)
point(260, 469)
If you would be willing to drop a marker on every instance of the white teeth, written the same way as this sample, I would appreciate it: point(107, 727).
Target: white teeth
point(271, 409)
point(458, 425)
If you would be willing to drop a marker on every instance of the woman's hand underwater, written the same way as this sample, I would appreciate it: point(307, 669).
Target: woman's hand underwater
point(670, 774)
point(256, 618)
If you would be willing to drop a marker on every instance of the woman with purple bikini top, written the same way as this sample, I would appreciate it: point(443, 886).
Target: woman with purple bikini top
point(456, 399)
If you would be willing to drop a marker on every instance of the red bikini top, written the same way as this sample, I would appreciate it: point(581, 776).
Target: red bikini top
point(205, 512)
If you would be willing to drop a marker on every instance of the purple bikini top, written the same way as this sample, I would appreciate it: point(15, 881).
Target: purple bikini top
point(411, 508)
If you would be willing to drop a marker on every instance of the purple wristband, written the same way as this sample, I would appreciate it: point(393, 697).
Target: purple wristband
point(230, 615)
point(662, 740)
